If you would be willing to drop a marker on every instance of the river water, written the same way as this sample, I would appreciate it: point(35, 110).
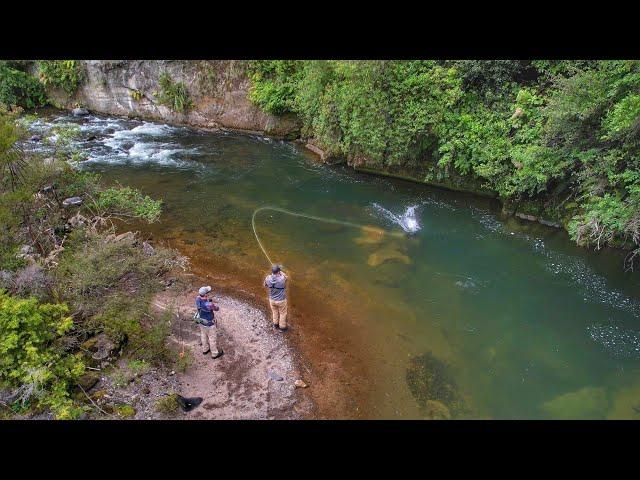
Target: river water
point(436, 301)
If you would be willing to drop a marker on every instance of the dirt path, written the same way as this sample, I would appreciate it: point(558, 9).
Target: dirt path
point(254, 379)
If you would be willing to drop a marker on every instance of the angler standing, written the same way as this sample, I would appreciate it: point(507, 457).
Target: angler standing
point(276, 282)
point(208, 327)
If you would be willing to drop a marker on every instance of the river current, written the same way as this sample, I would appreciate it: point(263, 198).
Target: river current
point(438, 299)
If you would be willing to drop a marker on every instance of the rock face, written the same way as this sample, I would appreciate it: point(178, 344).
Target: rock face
point(218, 90)
point(80, 112)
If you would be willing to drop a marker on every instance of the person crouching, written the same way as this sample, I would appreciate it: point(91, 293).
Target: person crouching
point(208, 326)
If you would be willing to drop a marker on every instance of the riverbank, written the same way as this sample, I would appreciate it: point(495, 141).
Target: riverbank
point(375, 317)
point(254, 379)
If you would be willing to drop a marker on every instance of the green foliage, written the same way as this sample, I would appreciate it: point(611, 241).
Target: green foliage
point(525, 129)
point(128, 202)
point(19, 88)
point(184, 360)
point(167, 405)
point(136, 95)
point(64, 74)
point(274, 84)
point(110, 282)
point(172, 94)
point(12, 161)
point(30, 360)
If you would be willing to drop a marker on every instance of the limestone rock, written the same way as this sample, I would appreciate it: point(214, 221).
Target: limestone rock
point(148, 249)
point(549, 223)
point(300, 384)
point(526, 216)
point(88, 380)
point(71, 202)
point(80, 112)
point(100, 347)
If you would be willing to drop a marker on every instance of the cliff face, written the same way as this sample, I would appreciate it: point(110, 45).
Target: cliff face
point(218, 89)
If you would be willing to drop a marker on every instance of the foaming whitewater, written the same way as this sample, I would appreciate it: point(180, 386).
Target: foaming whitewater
point(622, 343)
point(407, 221)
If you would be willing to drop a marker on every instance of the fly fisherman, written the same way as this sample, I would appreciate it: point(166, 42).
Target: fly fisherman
point(208, 327)
point(276, 282)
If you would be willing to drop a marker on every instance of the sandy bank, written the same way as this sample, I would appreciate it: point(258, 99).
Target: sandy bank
point(244, 383)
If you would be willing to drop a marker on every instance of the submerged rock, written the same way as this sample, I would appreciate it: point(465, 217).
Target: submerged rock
point(388, 254)
point(433, 387)
point(370, 236)
point(586, 403)
point(435, 410)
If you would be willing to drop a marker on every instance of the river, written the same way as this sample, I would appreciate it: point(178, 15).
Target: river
point(438, 300)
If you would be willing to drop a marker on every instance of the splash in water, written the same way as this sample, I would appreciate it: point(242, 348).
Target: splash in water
point(407, 221)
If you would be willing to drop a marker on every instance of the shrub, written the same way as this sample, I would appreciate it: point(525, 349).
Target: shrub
point(167, 405)
point(111, 283)
point(31, 363)
point(64, 74)
point(19, 88)
point(174, 95)
point(127, 202)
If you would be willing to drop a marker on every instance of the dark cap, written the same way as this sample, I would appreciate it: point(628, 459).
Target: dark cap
point(275, 268)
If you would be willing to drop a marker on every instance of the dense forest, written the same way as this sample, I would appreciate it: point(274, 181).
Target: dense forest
point(559, 137)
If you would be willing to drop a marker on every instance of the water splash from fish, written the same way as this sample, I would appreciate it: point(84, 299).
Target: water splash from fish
point(407, 221)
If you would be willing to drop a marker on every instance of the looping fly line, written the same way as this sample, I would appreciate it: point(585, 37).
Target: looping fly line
point(304, 215)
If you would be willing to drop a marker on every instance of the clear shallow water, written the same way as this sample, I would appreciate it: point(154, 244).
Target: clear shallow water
point(528, 325)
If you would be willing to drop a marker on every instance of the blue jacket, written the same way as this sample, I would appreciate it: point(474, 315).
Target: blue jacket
point(206, 310)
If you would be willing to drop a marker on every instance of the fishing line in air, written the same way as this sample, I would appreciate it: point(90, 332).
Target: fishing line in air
point(310, 217)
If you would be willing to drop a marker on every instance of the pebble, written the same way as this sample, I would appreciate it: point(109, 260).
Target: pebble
point(274, 376)
point(300, 384)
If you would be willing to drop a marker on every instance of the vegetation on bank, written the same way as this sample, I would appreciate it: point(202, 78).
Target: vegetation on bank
point(19, 88)
point(172, 94)
point(65, 276)
point(561, 134)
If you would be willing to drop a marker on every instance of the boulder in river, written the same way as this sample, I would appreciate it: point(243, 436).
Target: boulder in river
point(584, 404)
point(429, 381)
point(35, 138)
point(387, 254)
point(80, 112)
point(435, 410)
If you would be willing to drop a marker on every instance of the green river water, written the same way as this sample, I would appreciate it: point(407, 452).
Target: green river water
point(491, 317)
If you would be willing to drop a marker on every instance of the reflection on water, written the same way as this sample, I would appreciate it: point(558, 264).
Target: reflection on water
point(457, 304)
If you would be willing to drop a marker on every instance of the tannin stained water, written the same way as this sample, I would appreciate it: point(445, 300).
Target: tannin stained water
point(437, 299)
